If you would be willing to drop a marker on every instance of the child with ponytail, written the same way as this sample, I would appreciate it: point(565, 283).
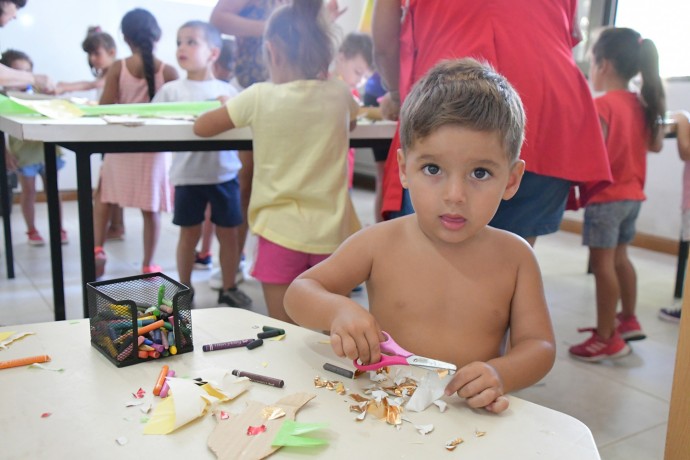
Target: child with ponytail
point(137, 180)
point(632, 126)
point(299, 206)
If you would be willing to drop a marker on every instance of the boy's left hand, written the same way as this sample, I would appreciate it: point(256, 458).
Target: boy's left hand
point(480, 385)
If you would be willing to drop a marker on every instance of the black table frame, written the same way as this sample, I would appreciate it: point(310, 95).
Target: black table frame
point(83, 152)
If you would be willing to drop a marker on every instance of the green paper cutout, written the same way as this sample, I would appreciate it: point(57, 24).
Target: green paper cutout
point(290, 434)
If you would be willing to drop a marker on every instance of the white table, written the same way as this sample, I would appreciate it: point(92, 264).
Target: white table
point(88, 413)
point(86, 136)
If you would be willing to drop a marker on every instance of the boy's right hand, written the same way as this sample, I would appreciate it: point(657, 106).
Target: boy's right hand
point(355, 334)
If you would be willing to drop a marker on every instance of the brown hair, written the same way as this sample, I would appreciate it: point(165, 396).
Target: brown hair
point(466, 93)
point(358, 44)
point(302, 34)
point(96, 38)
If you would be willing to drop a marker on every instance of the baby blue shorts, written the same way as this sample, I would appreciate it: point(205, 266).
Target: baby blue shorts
point(611, 224)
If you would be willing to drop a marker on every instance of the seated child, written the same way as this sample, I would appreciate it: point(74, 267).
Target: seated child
point(441, 282)
point(27, 158)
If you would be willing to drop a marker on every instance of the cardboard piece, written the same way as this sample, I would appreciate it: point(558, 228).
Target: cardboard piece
point(229, 440)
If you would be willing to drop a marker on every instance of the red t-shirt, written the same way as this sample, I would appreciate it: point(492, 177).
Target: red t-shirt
point(529, 42)
point(627, 144)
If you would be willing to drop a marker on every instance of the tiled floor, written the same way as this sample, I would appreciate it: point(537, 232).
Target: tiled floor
point(625, 403)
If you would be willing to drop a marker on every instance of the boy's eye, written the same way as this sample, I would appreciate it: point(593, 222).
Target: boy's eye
point(431, 170)
point(481, 174)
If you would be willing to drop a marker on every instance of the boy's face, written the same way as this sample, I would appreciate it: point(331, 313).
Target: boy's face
point(9, 12)
point(457, 177)
point(193, 51)
point(101, 58)
point(20, 64)
point(352, 71)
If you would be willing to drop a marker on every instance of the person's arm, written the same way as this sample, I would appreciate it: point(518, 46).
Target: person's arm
point(318, 299)
point(225, 16)
point(682, 119)
point(213, 122)
point(68, 87)
point(532, 347)
point(385, 32)
point(112, 84)
point(14, 77)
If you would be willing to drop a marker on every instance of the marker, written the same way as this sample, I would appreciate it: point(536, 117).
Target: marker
point(255, 344)
point(269, 334)
point(259, 378)
point(24, 361)
point(160, 381)
point(226, 345)
point(339, 370)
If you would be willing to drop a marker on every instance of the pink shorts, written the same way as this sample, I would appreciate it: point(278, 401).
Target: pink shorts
point(275, 264)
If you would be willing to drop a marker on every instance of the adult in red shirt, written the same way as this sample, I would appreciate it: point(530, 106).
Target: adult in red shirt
point(528, 41)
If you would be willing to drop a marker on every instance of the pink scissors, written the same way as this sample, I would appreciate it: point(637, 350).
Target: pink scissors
point(393, 354)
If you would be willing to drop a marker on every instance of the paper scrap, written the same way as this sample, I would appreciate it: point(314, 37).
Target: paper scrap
point(190, 401)
point(272, 413)
point(59, 109)
point(429, 389)
point(453, 443)
point(479, 434)
point(254, 430)
point(134, 403)
point(425, 429)
point(224, 415)
point(290, 434)
point(442, 405)
point(7, 338)
point(46, 414)
point(139, 394)
point(46, 367)
point(122, 440)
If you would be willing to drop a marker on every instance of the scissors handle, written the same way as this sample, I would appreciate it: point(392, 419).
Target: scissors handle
point(385, 361)
point(392, 354)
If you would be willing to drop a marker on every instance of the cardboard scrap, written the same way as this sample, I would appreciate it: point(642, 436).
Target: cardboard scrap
point(229, 439)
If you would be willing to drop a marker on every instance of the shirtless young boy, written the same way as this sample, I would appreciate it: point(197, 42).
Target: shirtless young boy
point(441, 282)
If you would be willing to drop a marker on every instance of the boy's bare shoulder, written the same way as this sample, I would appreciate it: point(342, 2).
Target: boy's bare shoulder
point(509, 243)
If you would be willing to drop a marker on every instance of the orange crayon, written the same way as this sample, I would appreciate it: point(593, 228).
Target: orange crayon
point(160, 381)
point(24, 361)
point(150, 327)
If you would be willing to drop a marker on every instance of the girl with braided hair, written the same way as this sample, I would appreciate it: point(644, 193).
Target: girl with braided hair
point(135, 180)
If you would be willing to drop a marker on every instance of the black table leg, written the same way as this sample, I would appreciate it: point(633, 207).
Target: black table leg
point(680, 269)
point(86, 238)
point(6, 207)
point(54, 230)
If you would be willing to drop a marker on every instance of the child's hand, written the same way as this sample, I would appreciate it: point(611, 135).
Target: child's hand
point(356, 334)
point(390, 106)
point(480, 385)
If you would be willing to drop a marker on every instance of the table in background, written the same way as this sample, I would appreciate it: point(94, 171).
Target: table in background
point(86, 402)
point(86, 136)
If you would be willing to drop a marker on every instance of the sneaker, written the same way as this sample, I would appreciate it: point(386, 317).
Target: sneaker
point(151, 269)
point(629, 328)
point(597, 348)
point(63, 237)
point(671, 315)
point(234, 298)
point(35, 238)
point(100, 259)
point(215, 282)
point(202, 263)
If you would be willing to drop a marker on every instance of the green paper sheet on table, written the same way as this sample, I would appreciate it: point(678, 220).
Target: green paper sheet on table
point(290, 434)
point(151, 109)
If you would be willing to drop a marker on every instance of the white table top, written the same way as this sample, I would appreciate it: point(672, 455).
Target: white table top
point(95, 129)
point(88, 413)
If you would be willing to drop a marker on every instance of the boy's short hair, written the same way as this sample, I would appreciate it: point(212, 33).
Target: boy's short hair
point(211, 34)
point(465, 93)
point(10, 56)
point(358, 44)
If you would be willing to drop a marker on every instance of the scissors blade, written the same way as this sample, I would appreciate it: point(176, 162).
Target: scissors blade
point(431, 364)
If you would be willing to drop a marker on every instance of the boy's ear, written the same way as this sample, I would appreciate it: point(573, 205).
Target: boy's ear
point(516, 172)
point(215, 54)
point(401, 168)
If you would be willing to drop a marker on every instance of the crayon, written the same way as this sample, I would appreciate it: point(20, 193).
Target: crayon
point(259, 378)
point(166, 387)
point(161, 379)
point(339, 370)
point(255, 344)
point(150, 327)
point(269, 334)
point(24, 361)
point(226, 345)
point(270, 328)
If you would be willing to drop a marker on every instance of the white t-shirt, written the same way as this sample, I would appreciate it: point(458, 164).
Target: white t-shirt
point(199, 168)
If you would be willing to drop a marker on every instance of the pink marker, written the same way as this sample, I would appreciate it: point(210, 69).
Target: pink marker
point(166, 387)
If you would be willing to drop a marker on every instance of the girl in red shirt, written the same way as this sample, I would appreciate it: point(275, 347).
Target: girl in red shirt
point(632, 125)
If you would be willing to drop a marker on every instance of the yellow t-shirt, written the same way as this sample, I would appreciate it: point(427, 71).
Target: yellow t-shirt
point(300, 135)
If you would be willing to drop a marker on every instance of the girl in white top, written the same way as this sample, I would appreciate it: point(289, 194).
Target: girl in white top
point(299, 207)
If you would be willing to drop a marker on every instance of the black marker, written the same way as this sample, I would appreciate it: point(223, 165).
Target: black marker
point(339, 370)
